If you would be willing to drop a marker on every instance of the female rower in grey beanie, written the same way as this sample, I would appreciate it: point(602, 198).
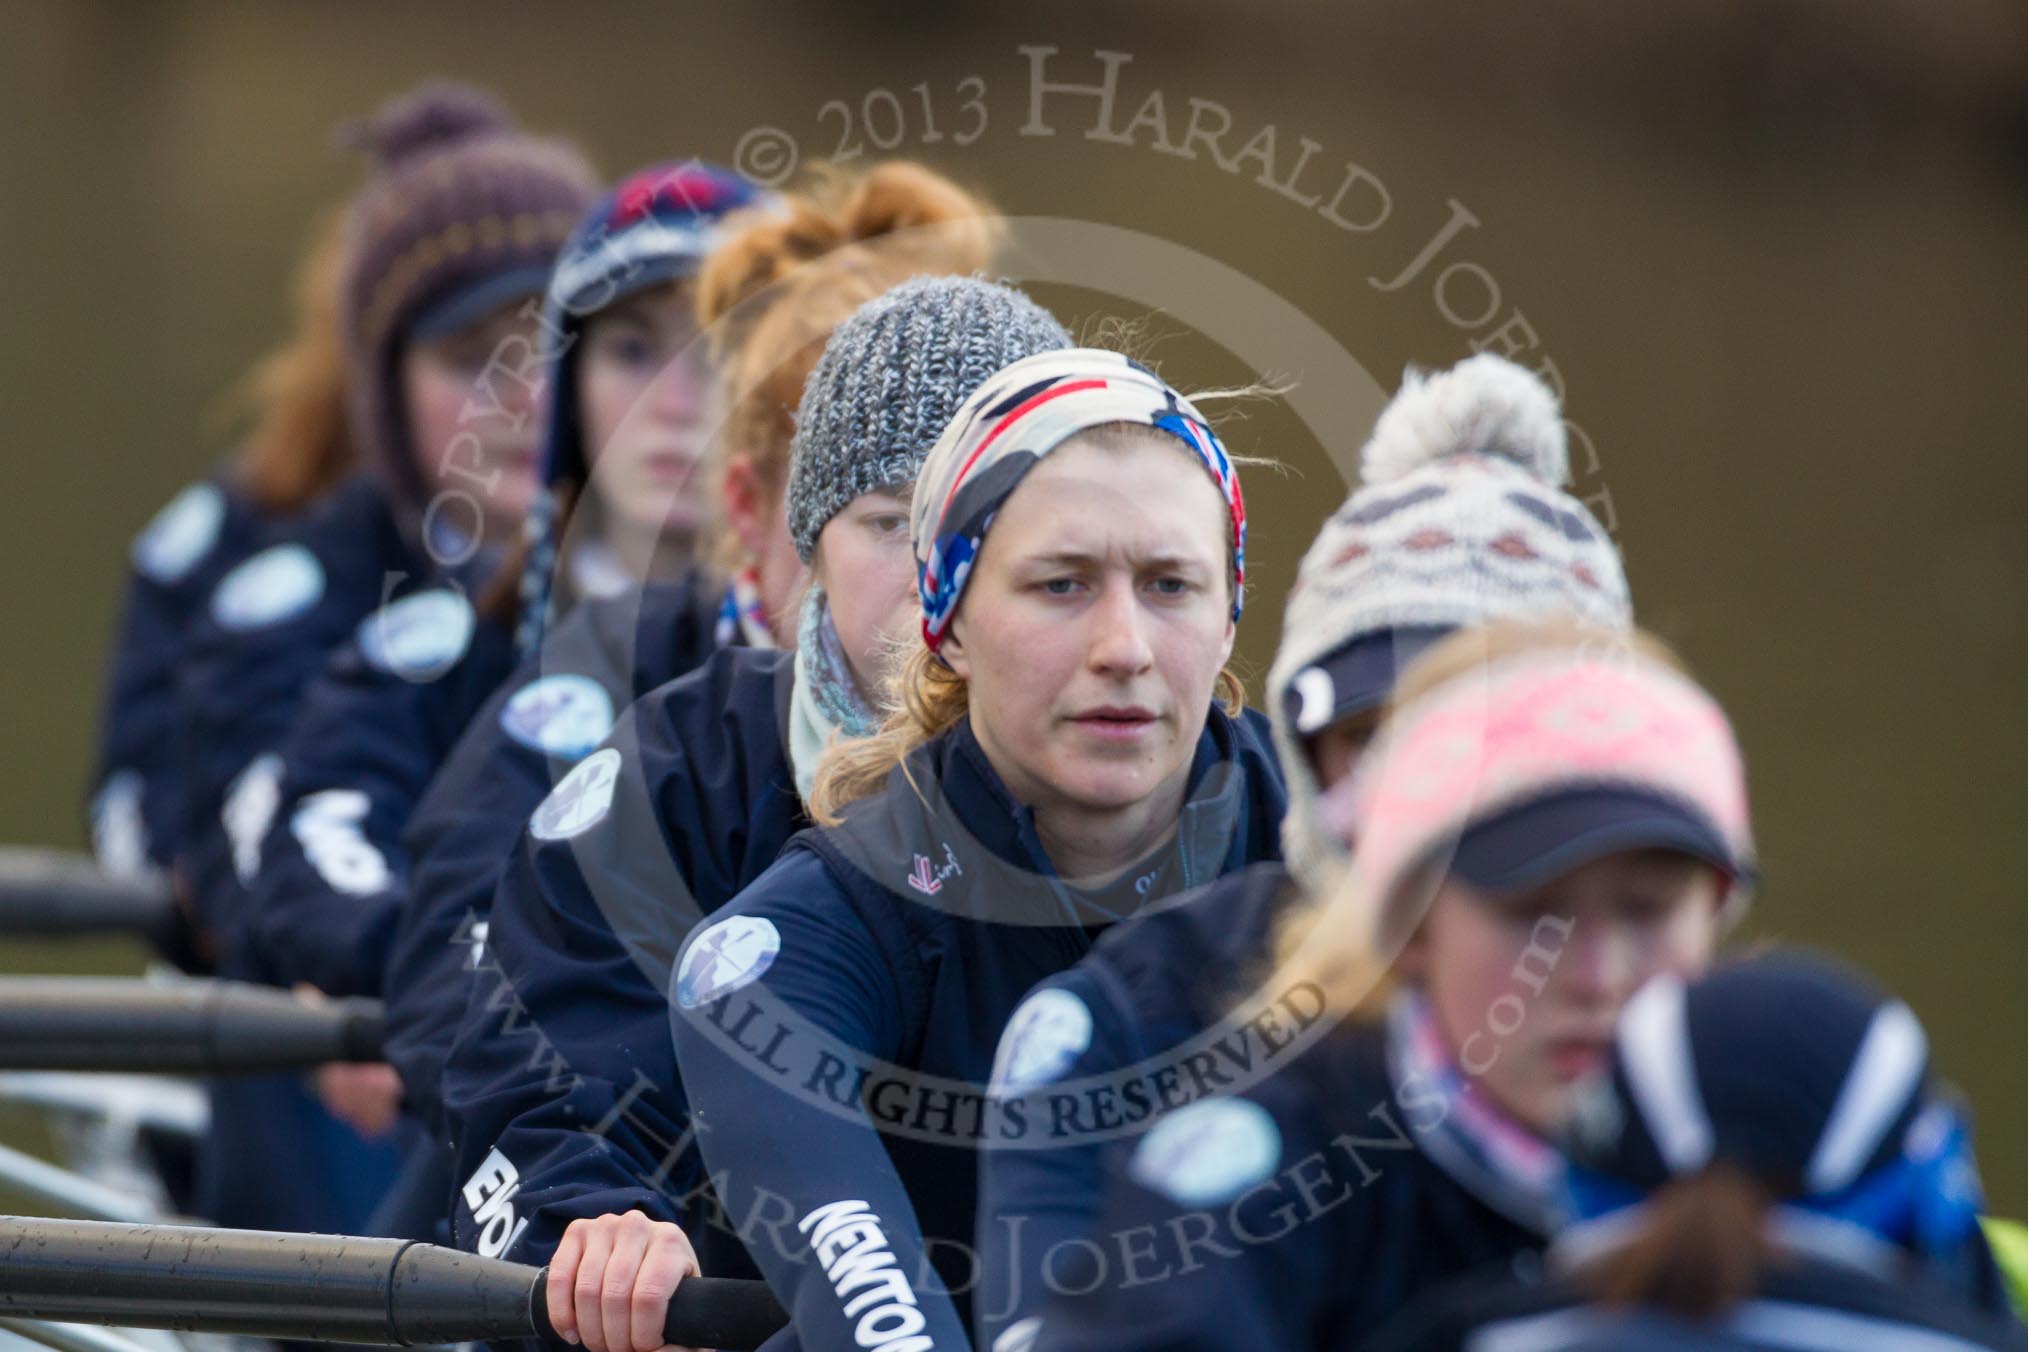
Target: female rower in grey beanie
point(889, 380)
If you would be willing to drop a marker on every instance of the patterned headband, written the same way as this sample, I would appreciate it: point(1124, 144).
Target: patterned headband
point(1524, 728)
point(1023, 413)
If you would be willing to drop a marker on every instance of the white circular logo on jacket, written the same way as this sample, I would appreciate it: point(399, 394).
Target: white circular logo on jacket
point(1208, 1152)
point(119, 830)
point(733, 953)
point(249, 806)
point(563, 716)
point(182, 533)
point(1047, 1034)
point(420, 635)
point(276, 584)
point(580, 799)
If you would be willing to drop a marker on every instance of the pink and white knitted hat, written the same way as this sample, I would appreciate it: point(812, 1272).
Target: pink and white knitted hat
point(1533, 764)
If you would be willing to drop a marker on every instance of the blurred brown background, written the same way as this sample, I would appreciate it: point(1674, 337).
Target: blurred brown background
point(1774, 247)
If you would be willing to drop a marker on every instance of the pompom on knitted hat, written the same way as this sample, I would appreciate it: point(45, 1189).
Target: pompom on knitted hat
point(462, 212)
point(1485, 405)
point(891, 377)
point(1461, 518)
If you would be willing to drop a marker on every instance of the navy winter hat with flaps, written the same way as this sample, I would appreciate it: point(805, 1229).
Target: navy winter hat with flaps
point(1800, 1072)
point(659, 224)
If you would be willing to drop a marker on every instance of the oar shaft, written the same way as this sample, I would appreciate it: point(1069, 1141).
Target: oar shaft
point(190, 1028)
point(320, 1288)
point(55, 894)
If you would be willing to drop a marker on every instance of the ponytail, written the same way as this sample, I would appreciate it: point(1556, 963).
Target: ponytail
point(1699, 1251)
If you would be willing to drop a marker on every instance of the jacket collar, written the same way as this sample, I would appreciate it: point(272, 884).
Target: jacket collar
point(947, 833)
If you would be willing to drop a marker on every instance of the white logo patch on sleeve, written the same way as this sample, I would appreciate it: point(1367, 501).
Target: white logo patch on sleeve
point(1020, 1336)
point(327, 827)
point(733, 953)
point(580, 799)
point(489, 1196)
point(119, 831)
point(1047, 1034)
point(1208, 1152)
point(274, 585)
point(250, 803)
point(564, 716)
point(419, 636)
point(181, 534)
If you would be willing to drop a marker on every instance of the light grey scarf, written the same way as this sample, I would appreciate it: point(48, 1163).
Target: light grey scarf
point(826, 701)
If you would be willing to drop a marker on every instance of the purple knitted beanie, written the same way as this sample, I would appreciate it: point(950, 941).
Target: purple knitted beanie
point(463, 212)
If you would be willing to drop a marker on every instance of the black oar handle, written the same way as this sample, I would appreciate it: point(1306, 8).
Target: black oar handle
point(184, 1027)
point(717, 1312)
point(318, 1288)
point(54, 893)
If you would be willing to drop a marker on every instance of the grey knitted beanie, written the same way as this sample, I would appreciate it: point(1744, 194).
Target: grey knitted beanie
point(891, 376)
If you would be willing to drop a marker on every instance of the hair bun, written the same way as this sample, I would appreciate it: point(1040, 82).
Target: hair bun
point(896, 218)
point(764, 248)
point(902, 195)
point(1485, 405)
point(430, 116)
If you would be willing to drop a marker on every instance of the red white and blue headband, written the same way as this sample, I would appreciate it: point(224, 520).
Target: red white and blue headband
point(1023, 413)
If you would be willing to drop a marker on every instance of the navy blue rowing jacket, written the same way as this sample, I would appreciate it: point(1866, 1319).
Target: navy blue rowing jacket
point(1303, 1213)
point(836, 1025)
point(273, 1158)
point(264, 635)
point(1124, 1035)
point(555, 708)
point(175, 562)
point(373, 728)
point(560, 1091)
point(335, 875)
